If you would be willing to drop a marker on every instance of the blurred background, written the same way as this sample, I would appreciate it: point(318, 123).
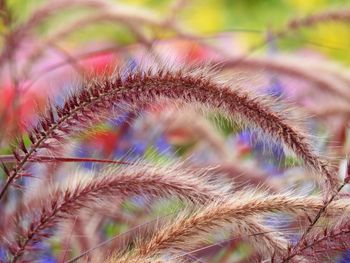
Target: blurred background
point(49, 47)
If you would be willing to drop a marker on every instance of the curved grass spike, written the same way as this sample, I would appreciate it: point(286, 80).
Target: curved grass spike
point(136, 179)
point(189, 86)
point(342, 15)
point(268, 237)
point(187, 230)
point(262, 238)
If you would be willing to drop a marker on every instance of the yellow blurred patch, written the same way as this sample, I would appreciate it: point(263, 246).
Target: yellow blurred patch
point(206, 17)
point(331, 33)
point(307, 5)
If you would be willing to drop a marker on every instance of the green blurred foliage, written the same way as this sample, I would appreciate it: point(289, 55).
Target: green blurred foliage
point(252, 18)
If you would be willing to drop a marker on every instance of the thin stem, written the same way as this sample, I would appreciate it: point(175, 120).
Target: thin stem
point(296, 249)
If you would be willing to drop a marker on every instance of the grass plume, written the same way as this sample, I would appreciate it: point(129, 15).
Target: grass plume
point(187, 86)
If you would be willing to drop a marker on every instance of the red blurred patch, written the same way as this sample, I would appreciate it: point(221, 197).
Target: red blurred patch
point(105, 140)
point(100, 63)
point(17, 109)
point(193, 51)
